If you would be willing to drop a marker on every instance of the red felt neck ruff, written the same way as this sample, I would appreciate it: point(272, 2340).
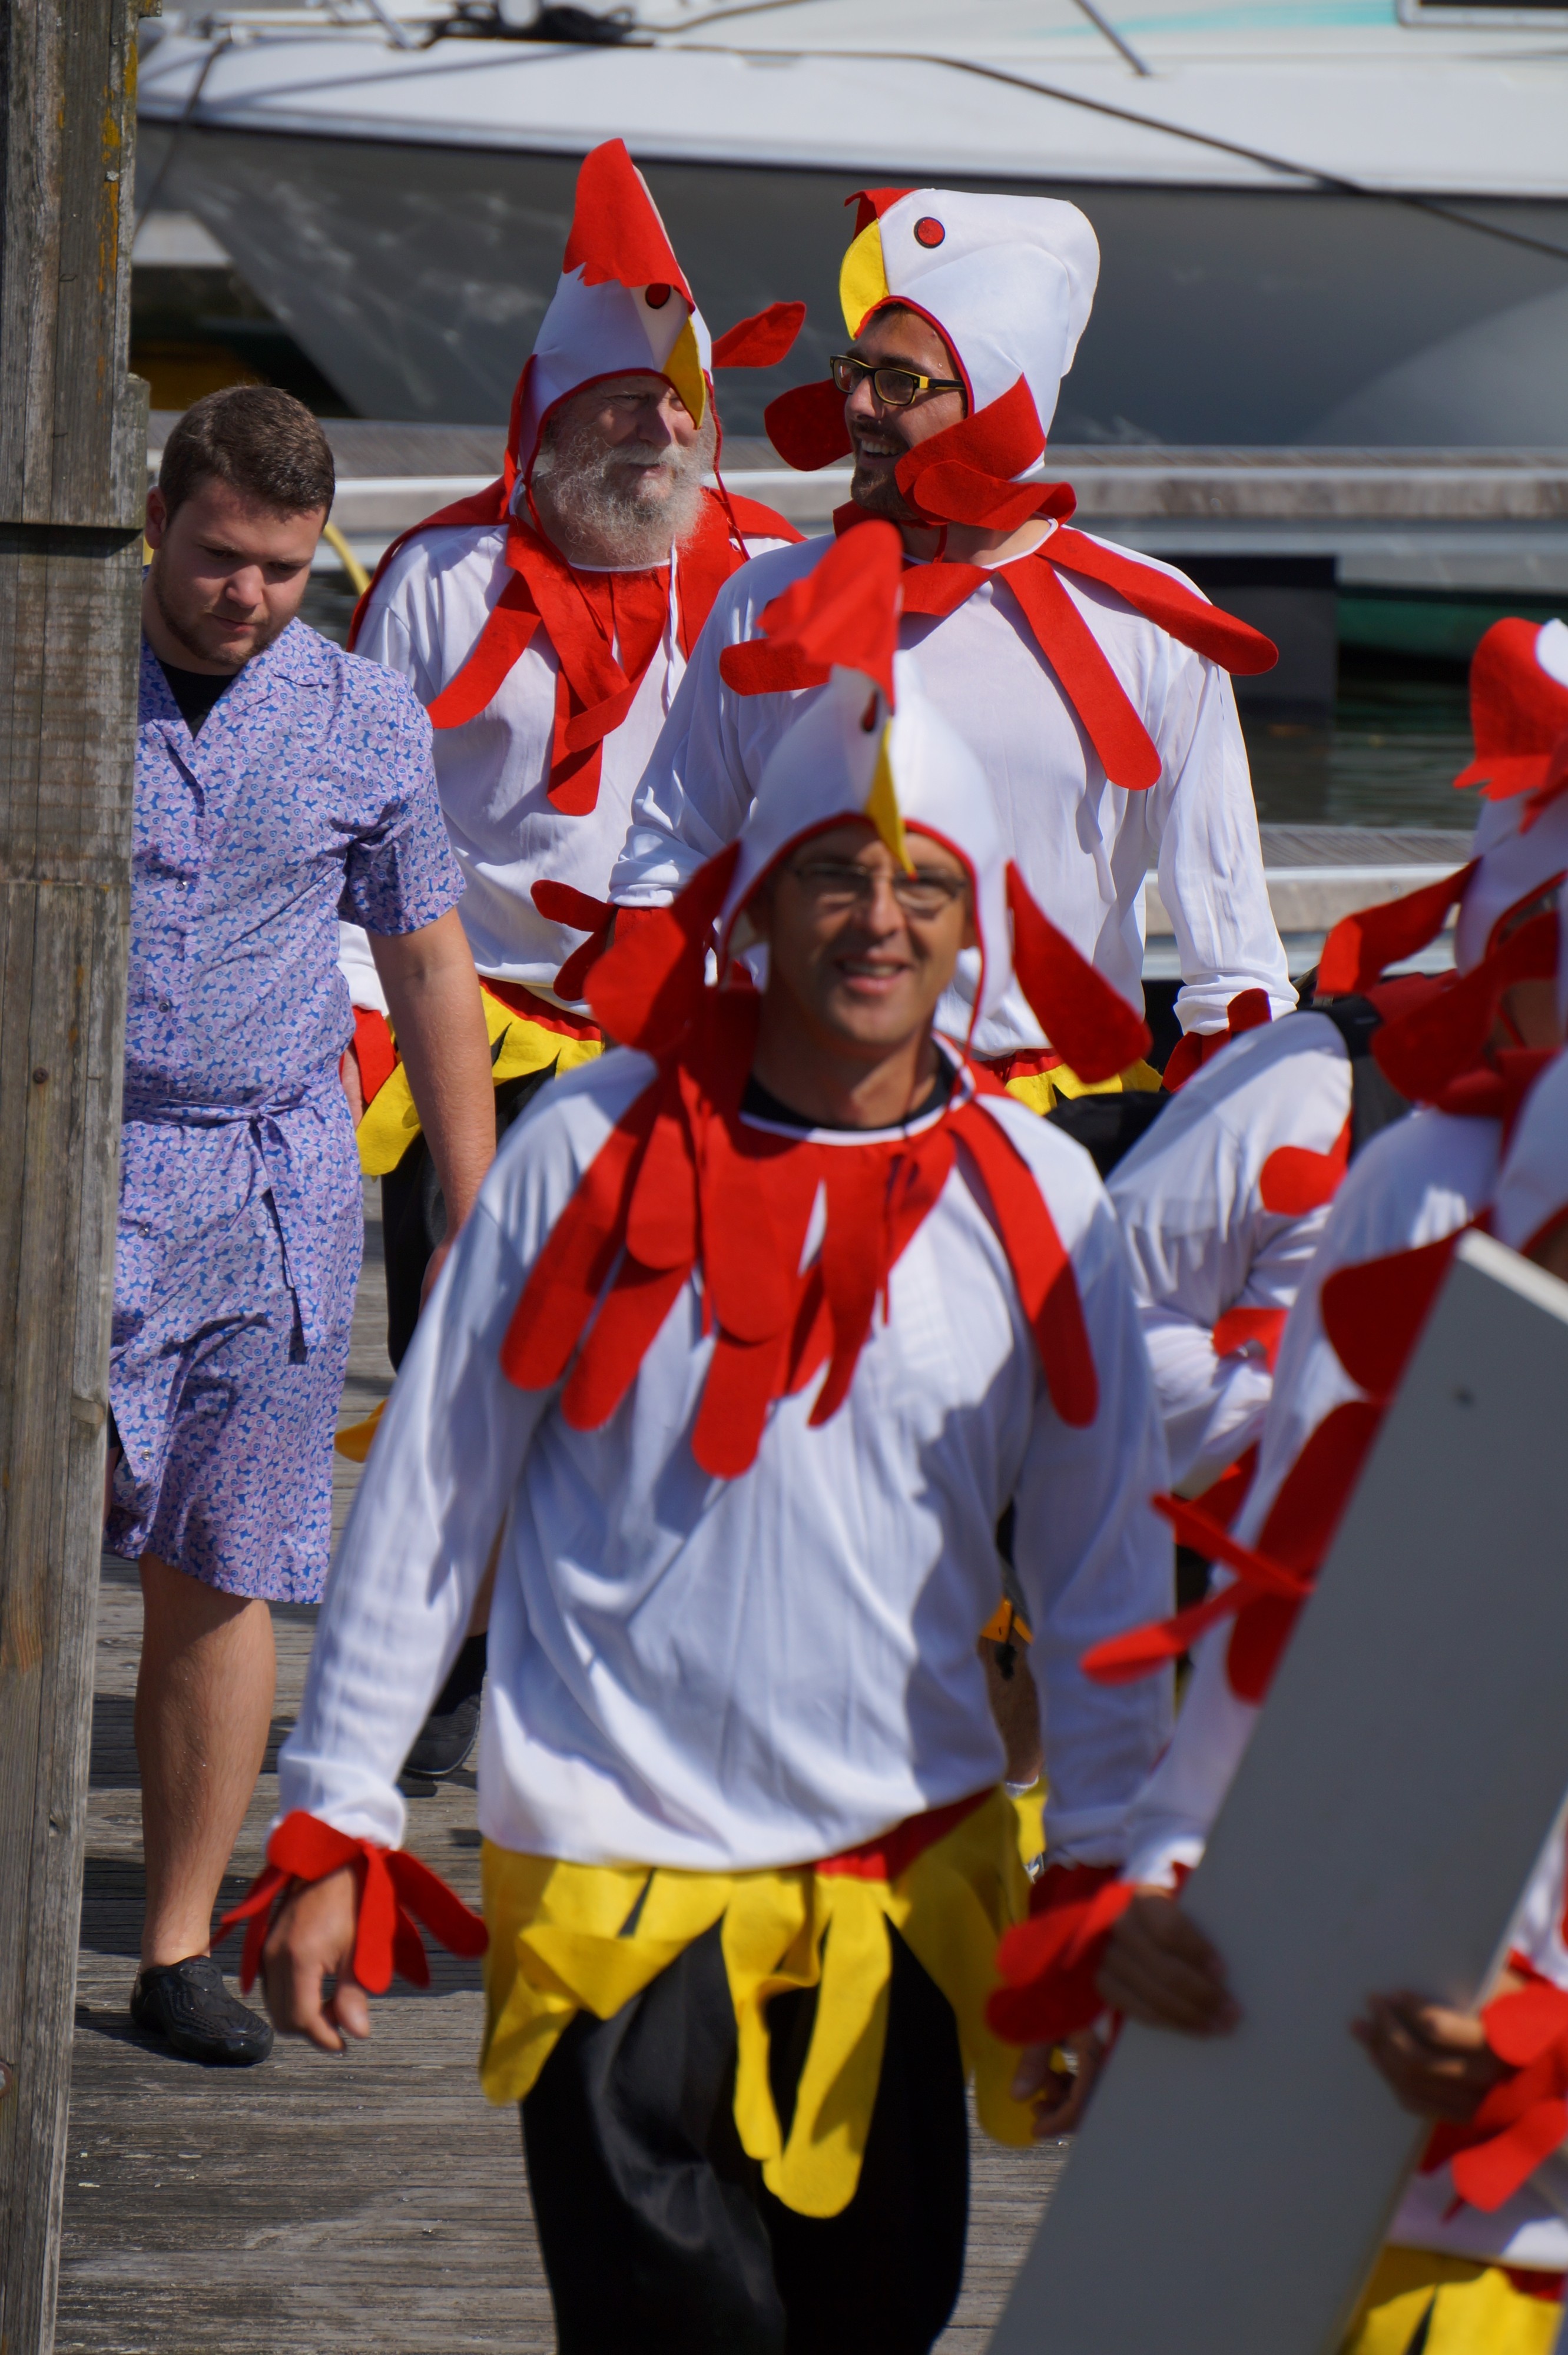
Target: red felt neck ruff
point(605, 629)
point(684, 1186)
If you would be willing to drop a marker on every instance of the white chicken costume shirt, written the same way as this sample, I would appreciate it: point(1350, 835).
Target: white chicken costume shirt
point(736, 1391)
point(1089, 683)
point(1477, 2241)
point(1225, 1199)
point(546, 684)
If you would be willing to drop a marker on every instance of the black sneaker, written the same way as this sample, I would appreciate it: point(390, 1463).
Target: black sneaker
point(445, 1741)
point(188, 2006)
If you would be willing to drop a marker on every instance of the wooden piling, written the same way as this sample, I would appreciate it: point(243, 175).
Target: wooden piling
point(72, 452)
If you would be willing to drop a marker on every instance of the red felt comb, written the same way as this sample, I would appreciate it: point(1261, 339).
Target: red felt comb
point(1517, 712)
point(618, 237)
point(845, 611)
point(871, 204)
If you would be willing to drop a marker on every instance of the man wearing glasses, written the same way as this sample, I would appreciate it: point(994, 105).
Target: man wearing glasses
point(1091, 683)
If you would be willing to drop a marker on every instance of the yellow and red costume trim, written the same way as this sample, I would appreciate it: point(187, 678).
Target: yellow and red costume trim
point(527, 1033)
point(571, 1937)
point(1040, 1078)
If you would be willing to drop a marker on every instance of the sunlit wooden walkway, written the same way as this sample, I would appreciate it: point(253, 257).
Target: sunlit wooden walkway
point(372, 2203)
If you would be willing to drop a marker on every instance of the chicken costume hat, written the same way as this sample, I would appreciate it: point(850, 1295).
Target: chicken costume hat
point(1508, 928)
point(623, 307)
point(684, 1181)
point(1008, 282)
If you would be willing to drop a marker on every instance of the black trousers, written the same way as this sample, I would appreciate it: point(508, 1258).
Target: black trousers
point(414, 1215)
point(658, 2235)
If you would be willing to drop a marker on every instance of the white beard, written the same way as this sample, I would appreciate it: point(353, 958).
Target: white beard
point(593, 499)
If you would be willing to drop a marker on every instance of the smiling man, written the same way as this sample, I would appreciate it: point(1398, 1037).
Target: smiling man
point(1091, 682)
point(746, 1855)
point(279, 784)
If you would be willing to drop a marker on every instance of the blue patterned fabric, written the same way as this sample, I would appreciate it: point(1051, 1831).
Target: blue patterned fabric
point(310, 794)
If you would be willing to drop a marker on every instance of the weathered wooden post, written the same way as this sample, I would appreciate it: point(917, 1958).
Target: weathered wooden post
point(72, 471)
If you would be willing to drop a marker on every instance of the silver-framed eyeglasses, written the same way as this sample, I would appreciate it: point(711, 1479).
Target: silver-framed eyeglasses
point(836, 885)
point(895, 387)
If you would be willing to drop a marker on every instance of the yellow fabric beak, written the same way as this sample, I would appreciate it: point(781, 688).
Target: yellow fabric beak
point(863, 277)
point(684, 369)
point(882, 807)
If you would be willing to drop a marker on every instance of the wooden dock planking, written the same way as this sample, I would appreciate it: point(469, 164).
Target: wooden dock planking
point(372, 2203)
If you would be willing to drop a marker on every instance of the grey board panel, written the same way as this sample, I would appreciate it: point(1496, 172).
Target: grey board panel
point(1230, 2196)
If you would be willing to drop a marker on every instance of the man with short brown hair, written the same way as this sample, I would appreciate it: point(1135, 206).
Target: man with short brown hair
point(279, 782)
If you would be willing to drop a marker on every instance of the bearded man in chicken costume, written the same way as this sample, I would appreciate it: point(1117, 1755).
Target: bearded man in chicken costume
point(545, 625)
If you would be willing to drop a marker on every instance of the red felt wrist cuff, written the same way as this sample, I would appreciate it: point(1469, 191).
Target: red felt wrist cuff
point(1050, 1962)
point(395, 1892)
point(1525, 2117)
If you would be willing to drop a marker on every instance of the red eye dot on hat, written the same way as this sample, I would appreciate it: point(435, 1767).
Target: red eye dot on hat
point(928, 230)
point(657, 296)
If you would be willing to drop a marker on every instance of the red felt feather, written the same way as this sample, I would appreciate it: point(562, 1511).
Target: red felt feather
point(1208, 629)
point(647, 987)
point(1373, 1311)
point(1295, 1180)
point(805, 425)
point(1090, 1024)
point(1361, 945)
point(1441, 1037)
point(844, 612)
point(763, 340)
point(1125, 749)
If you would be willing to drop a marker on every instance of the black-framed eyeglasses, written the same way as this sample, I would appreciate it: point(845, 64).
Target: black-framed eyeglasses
point(895, 387)
point(836, 885)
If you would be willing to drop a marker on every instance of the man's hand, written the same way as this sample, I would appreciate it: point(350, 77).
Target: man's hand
point(1161, 1969)
point(436, 1012)
point(1060, 2096)
point(349, 1072)
point(1437, 2061)
point(312, 1939)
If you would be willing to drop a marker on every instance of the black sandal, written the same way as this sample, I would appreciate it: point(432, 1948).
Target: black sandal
point(188, 2006)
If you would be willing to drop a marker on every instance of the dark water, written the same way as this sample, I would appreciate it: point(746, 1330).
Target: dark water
point(1396, 742)
point(1389, 757)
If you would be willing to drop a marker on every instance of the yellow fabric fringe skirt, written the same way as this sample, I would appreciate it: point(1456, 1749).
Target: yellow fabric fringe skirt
point(1474, 2309)
point(517, 1047)
point(565, 1937)
point(1041, 1090)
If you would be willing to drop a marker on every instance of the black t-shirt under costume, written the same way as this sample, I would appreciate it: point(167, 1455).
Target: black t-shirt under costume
point(762, 1104)
point(196, 691)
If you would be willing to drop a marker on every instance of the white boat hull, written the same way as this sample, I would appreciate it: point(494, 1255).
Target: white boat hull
point(414, 275)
